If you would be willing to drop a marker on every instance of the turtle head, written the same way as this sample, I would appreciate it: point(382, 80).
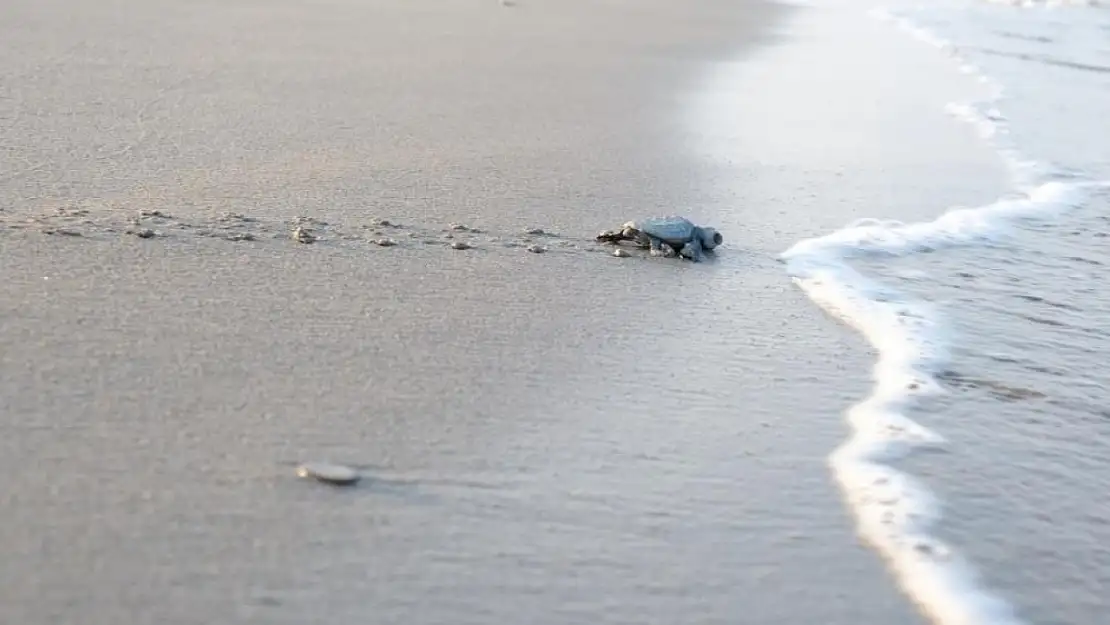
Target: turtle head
point(710, 238)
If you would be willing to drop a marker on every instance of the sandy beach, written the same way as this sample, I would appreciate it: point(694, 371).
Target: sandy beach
point(562, 437)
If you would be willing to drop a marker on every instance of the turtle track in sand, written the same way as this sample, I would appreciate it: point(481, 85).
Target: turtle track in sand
point(98, 222)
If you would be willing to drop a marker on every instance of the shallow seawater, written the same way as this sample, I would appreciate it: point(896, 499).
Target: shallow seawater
point(1028, 417)
point(1011, 333)
point(1026, 410)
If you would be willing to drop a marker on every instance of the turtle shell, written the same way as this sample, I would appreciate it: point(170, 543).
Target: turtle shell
point(672, 230)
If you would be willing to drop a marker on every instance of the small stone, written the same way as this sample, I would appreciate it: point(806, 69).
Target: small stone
point(385, 242)
point(335, 474)
point(462, 228)
point(240, 236)
point(535, 232)
point(385, 223)
point(152, 213)
point(143, 233)
point(460, 245)
point(301, 235)
point(537, 249)
point(268, 601)
point(619, 253)
point(66, 232)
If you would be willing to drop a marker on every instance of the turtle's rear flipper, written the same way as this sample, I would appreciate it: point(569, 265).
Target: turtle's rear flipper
point(611, 236)
point(660, 247)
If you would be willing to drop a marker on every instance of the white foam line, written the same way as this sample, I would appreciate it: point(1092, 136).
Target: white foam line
point(1046, 4)
point(894, 512)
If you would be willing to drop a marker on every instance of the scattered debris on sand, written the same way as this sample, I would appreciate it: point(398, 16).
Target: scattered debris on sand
point(303, 235)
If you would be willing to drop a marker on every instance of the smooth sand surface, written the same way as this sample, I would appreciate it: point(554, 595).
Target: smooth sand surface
point(548, 438)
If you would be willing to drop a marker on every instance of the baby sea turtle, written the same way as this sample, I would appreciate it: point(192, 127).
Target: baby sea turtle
point(667, 236)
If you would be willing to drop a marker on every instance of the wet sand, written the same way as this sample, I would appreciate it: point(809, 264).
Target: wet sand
point(550, 438)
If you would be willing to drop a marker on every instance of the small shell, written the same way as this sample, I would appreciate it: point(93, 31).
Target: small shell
point(537, 249)
point(460, 245)
point(536, 232)
point(619, 253)
point(335, 474)
point(385, 242)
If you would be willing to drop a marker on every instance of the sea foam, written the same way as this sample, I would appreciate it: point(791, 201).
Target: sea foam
point(895, 512)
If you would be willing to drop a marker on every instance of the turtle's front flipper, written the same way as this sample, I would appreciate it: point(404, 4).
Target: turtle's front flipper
point(693, 250)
